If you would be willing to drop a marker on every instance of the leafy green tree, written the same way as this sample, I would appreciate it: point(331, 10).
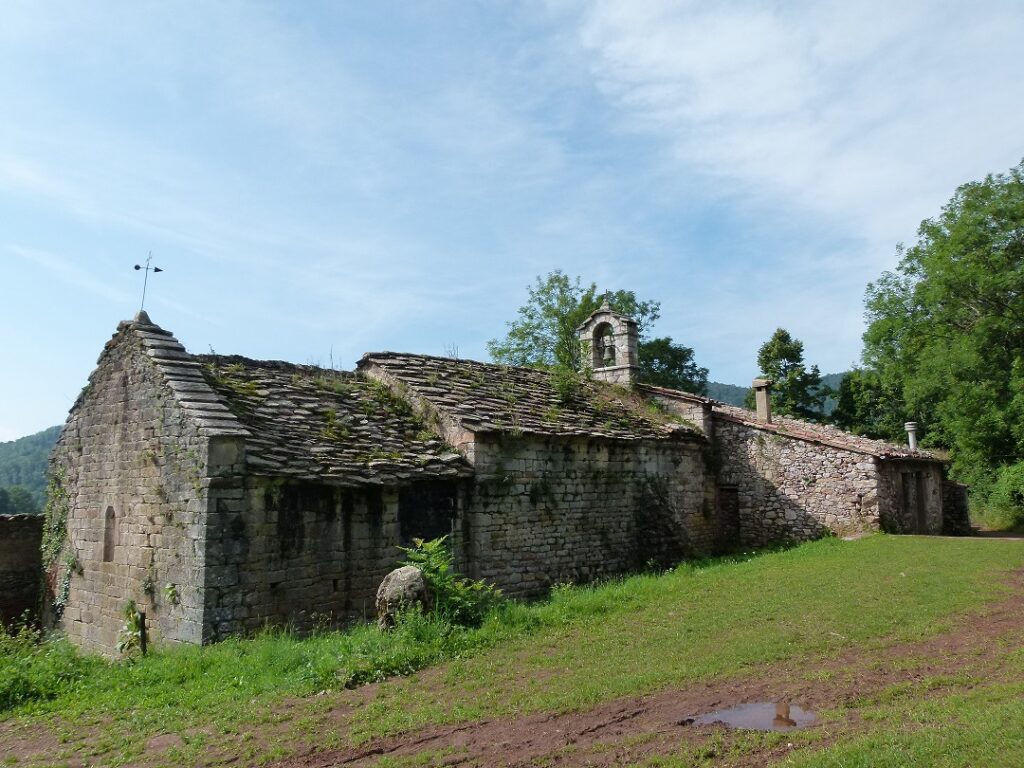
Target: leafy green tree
point(666, 364)
point(544, 333)
point(947, 327)
point(870, 406)
point(796, 391)
point(16, 500)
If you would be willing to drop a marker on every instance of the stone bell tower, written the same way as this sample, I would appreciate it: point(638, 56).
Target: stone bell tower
point(609, 346)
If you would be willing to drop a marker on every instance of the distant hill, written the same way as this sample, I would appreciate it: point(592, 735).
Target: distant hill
point(832, 380)
point(727, 393)
point(23, 462)
point(734, 395)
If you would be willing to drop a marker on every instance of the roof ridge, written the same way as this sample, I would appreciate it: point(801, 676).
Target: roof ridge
point(180, 372)
point(276, 364)
point(369, 356)
point(825, 434)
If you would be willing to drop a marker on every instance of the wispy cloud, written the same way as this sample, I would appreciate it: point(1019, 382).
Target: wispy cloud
point(867, 113)
point(70, 271)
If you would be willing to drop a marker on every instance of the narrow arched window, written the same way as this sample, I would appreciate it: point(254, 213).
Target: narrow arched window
point(109, 535)
point(604, 346)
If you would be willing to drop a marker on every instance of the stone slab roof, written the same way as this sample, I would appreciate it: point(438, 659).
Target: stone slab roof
point(313, 423)
point(181, 372)
point(821, 433)
point(484, 397)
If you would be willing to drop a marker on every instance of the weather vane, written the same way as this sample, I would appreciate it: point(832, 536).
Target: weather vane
point(145, 280)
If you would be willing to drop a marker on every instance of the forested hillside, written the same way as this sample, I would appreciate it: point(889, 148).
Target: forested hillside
point(23, 462)
point(734, 395)
point(727, 393)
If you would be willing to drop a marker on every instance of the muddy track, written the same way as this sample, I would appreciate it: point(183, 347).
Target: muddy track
point(628, 730)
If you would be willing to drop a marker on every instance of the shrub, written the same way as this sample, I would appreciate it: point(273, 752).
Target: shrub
point(1006, 499)
point(457, 599)
point(36, 669)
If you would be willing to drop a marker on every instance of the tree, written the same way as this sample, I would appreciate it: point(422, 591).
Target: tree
point(16, 500)
point(544, 333)
point(867, 405)
point(946, 327)
point(666, 364)
point(796, 391)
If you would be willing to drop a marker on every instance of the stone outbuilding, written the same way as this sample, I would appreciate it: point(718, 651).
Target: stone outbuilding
point(221, 494)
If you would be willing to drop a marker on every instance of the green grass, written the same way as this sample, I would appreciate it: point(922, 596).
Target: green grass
point(647, 632)
point(976, 723)
point(581, 646)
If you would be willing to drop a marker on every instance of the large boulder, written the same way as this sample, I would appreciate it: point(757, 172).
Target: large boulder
point(402, 588)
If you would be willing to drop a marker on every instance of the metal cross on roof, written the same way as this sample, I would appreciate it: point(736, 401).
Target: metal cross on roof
point(145, 280)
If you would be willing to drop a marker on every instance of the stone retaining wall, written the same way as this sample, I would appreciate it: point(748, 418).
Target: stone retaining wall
point(21, 567)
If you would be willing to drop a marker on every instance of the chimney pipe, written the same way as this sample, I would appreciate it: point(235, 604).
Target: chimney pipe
point(763, 399)
point(911, 427)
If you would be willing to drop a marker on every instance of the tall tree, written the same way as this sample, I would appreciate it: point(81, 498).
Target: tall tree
point(667, 364)
point(15, 500)
point(946, 327)
point(796, 390)
point(544, 333)
point(870, 406)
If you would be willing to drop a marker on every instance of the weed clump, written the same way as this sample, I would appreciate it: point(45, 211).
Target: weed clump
point(34, 668)
point(459, 600)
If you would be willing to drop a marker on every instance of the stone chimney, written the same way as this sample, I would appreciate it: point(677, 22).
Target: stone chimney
point(609, 344)
point(911, 427)
point(763, 399)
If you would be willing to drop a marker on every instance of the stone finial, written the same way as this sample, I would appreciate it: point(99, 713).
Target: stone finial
point(609, 344)
point(763, 399)
point(911, 427)
point(142, 317)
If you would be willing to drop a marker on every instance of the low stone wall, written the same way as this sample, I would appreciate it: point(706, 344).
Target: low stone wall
point(21, 567)
point(550, 510)
point(956, 520)
point(793, 490)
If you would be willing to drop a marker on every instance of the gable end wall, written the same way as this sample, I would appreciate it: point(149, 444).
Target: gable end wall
point(128, 446)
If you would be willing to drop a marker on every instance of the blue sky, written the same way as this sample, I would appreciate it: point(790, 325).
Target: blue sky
point(319, 180)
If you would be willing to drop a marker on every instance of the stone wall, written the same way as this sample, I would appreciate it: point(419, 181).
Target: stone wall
point(21, 567)
point(131, 480)
point(791, 490)
point(910, 494)
point(550, 510)
point(297, 553)
point(956, 520)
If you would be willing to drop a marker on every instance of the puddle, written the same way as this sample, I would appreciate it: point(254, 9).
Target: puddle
point(760, 716)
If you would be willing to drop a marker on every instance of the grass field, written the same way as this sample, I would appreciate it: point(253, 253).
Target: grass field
point(583, 646)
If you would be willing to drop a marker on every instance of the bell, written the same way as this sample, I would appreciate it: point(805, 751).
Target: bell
point(609, 350)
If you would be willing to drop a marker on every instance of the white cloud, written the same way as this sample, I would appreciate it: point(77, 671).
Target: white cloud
point(70, 271)
point(867, 113)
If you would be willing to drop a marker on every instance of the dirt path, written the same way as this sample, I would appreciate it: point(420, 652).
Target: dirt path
point(626, 731)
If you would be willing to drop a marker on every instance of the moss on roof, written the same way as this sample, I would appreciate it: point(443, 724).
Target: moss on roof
point(485, 397)
point(316, 423)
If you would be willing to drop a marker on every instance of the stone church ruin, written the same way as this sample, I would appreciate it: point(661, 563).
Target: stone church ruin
point(221, 494)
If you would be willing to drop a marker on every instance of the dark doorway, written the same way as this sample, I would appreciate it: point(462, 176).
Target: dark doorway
point(920, 512)
point(915, 513)
point(728, 513)
point(426, 510)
